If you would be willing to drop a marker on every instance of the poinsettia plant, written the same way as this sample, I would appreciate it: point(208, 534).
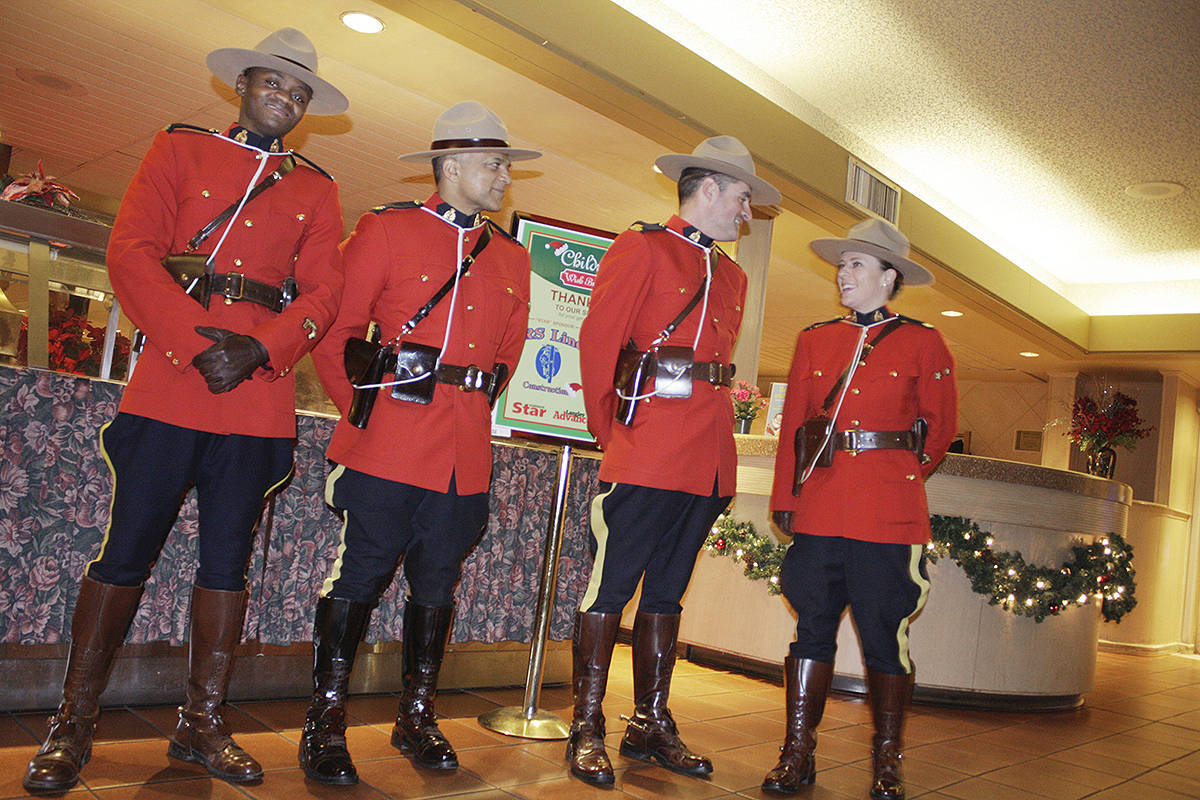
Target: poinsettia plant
point(36, 188)
point(76, 345)
point(747, 400)
point(1112, 422)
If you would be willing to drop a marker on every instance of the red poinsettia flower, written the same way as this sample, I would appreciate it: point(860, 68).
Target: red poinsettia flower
point(1114, 424)
point(38, 189)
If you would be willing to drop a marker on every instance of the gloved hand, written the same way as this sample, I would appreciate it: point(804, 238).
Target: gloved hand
point(783, 520)
point(231, 360)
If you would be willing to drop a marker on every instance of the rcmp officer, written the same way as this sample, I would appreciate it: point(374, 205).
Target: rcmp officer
point(861, 523)
point(211, 402)
point(669, 471)
point(413, 482)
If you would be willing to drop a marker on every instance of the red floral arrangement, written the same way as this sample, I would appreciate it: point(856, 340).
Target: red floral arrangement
point(76, 345)
point(747, 400)
point(37, 189)
point(1114, 424)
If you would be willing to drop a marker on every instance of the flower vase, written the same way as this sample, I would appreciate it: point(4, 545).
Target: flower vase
point(1101, 462)
point(742, 424)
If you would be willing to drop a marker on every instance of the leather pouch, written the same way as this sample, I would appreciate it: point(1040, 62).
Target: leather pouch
point(417, 361)
point(673, 371)
point(189, 270)
point(630, 379)
point(810, 437)
point(365, 363)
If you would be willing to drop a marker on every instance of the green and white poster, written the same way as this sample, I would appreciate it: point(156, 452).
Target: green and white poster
point(545, 395)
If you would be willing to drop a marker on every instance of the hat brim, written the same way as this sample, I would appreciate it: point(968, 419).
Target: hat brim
point(230, 62)
point(831, 250)
point(761, 193)
point(513, 153)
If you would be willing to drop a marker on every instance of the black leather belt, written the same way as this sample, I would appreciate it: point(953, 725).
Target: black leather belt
point(469, 379)
point(713, 372)
point(234, 286)
point(856, 440)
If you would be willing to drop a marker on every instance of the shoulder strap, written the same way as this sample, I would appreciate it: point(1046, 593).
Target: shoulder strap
point(399, 205)
point(423, 312)
point(866, 351)
point(183, 126)
point(286, 166)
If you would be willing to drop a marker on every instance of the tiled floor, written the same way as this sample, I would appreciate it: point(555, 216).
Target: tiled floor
point(1138, 737)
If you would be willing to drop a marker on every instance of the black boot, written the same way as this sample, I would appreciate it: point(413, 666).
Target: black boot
point(102, 616)
point(337, 628)
point(889, 697)
point(651, 734)
point(426, 629)
point(202, 736)
point(591, 653)
point(807, 685)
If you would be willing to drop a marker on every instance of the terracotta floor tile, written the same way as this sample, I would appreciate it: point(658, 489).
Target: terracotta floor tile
point(293, 784)
point(13, 761)
point(1098, 762)
point(205, 788)
point(508, 766)
point(1075, 773)
point(1137, 751)
point(459, 705)
point(399, 778)
point(1035, 778)
point(22, 732)
point(1139, 789)
point(1187, 785)
point(563, 789)
point(984, 789)
point(964, 755)
point(646, 781)
point(146, 761)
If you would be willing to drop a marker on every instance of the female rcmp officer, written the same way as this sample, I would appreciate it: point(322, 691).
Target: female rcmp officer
point(861, 523)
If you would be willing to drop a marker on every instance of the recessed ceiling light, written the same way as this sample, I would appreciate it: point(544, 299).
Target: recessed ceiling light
point(361, 22)
point(1028, 354)
point(952, 313)
point(1154, 190)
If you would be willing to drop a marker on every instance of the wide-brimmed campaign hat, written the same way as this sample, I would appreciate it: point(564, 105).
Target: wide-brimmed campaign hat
point(286, 50)
point(726, 155)
point(878, 238)
point(469, 126)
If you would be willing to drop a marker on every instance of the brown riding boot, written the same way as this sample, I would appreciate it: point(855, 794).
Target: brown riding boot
point(807, 685)
point(651, 734)
point(102, 616)
point(591, 653)
point(337, 628)
point(426, 629)
point(202, 736)
point(890, 695)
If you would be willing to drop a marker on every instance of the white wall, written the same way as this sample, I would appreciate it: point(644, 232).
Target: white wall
point(993, 411)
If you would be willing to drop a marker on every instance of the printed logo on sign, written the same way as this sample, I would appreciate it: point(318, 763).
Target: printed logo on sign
point(548, 362)
point(572, 265)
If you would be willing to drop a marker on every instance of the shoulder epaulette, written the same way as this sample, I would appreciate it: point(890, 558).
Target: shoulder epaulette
point(309, 161)
point(183, 126)
point(724, 255)
point(499, 230)
point(397, 206)
point(914, 321)
point(646, 227)
point(823, 324)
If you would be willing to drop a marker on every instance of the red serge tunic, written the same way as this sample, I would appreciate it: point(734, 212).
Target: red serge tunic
point(186, 179)
point(395, 260)
point(645, 279)
point(877, 495)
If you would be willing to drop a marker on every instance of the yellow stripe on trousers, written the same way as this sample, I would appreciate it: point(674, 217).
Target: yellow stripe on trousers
point(111, 498)
point(600, 531)
point(914, 572)
point(336, 571)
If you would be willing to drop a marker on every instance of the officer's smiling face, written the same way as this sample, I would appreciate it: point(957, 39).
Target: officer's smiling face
point(862, 281)
point(479, 182)
point(273, 102)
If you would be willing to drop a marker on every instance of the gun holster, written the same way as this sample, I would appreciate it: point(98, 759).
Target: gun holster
point(365, 363)
point(190, 271)
point(633, 374)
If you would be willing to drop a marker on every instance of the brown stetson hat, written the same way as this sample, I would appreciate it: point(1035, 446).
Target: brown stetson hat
point(289, 51)
point(878, 238)
point(726, 155)
point(469, 126)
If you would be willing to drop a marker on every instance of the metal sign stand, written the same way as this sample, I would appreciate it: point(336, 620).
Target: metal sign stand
point(529, 721)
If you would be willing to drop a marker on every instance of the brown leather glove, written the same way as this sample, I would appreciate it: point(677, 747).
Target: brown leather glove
point(229, 361)
point(783, 520)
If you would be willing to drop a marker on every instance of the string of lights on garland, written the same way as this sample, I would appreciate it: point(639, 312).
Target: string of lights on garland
point(1102, 570)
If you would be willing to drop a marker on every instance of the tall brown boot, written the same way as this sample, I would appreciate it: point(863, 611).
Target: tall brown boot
point(807, 685)
point(102, 616)
point(337, 628)
point(651, 734)
point(591, 653)
point(202, 736)
point(426, 629)
point(889, 697)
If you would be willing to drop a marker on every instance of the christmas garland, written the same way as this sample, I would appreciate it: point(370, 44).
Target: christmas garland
point(1102, 570)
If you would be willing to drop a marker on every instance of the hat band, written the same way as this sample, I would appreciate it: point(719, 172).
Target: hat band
point(291, 61)
point(454, 144)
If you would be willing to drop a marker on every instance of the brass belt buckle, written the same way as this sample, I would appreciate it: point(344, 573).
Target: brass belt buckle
point(850, 439)
point(230, 294)
point(473, 379)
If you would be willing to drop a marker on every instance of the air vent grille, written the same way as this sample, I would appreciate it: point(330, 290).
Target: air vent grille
point(872, 192)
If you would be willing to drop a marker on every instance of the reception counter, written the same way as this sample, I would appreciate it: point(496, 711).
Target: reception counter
point(966, 651)
point(54, 495)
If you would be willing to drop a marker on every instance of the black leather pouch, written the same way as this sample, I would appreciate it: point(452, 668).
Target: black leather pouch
point(365, 363)
point(189, 271)
point(673, 371)
point(630, 379)
point(416, 366)
point(810, 437)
